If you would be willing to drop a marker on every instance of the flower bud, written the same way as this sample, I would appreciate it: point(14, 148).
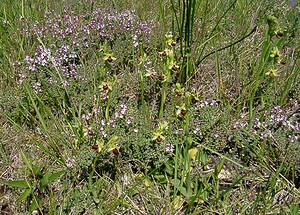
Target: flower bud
point(116, 151)
point(91, 133)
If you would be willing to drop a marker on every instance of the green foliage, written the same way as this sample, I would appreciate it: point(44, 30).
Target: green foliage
point(35, 186)
point(113, 113)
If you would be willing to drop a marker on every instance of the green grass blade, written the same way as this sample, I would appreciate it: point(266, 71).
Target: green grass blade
point(16, 183)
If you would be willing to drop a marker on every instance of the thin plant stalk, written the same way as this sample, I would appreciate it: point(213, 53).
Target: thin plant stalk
point(186, 118)
point(107, 108)
point(143, 93)
point(220, 81)
point(261, 70)
point(163, 98)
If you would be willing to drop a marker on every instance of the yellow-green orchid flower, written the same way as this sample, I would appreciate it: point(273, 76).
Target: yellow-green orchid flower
point(181, 111)
point(272, 73)
point(105, 86)
point(109, 58)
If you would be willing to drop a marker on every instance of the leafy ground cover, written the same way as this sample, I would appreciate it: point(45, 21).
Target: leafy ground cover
point(149, 107)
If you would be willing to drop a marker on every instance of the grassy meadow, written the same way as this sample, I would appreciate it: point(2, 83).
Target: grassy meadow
point(149, 107)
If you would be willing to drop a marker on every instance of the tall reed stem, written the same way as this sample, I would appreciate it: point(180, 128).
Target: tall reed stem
point(185, 18)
